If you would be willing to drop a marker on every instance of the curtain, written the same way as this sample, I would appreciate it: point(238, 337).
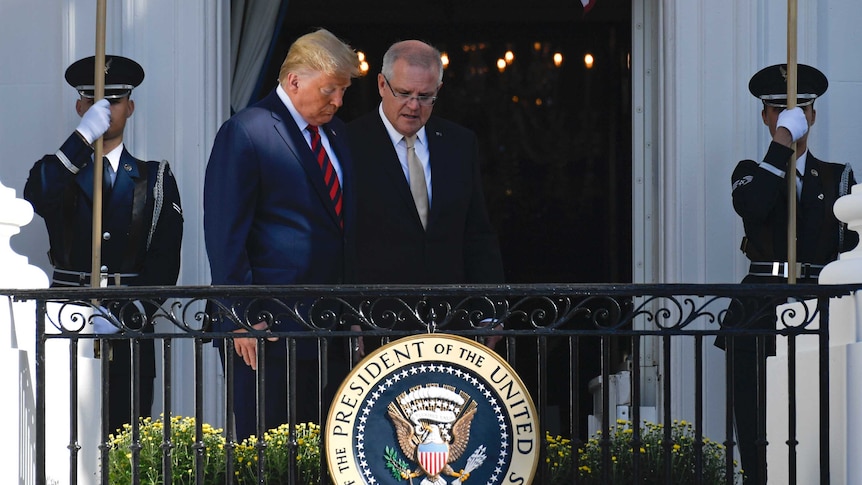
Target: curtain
point(253, 29)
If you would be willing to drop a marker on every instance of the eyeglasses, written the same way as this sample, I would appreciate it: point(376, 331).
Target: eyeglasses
point(405, 98)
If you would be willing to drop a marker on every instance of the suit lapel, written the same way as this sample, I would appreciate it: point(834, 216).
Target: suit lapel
point(338, 142)
point(124, 182)
point(809, 216)
point(442, 157)
point(84, 179)
point(812, 181)
point(127, 172)
point(295, 141)
point(118, 208)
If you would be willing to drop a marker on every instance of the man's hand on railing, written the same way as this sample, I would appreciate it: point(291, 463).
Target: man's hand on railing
point(246, 348)
point(357, 345)
point(492, 340)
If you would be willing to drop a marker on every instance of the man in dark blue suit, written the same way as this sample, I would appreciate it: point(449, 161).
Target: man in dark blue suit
point(421, 215)
point(278, 210)
point(142, 220)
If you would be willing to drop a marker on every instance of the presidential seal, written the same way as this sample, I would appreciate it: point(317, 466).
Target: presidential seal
point(432, 409)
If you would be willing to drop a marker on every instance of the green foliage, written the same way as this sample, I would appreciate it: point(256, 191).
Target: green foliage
point(651, 452)
point(559, 458)
point(277, 455)
point(396, 466)
point(182, 454)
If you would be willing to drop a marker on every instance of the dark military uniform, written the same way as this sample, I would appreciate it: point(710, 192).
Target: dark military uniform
point(760, 197)
point(142, 232)
point(133, 243)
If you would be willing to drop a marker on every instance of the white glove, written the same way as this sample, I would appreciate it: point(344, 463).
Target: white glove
point(795, 122)
point(95, 121)
point(102, 324)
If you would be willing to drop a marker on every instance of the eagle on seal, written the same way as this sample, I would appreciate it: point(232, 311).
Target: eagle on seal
point(432, 426)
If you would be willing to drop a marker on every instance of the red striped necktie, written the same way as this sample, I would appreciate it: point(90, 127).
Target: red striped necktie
point(330, 178)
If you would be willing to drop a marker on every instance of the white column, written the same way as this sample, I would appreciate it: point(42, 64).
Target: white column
point(17, 344)
point(847, 270)
point(845, 372)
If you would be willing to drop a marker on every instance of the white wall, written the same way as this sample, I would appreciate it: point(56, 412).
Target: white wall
point(182, 47)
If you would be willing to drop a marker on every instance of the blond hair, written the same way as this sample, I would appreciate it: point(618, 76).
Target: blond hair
point(320, 52)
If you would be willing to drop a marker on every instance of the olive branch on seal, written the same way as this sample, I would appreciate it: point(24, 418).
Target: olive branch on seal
point(398, 467)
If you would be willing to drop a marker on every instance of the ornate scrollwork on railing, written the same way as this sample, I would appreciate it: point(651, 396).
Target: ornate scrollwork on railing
point(428, 314)
point(72, 317)
point(410, 310)
point(561, 312)
point(676, 313)
point(759, 311)
point(105, 317)
point(798, 316)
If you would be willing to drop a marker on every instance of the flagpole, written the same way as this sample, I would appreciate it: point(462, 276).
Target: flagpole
point(98, 174)
point(791, 165)
point(98, 93)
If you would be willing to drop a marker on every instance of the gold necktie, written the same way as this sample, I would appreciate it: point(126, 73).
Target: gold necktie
point(417, 180)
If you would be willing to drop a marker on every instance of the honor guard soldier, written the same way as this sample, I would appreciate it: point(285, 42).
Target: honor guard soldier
point(142, 219)
point(759, 191)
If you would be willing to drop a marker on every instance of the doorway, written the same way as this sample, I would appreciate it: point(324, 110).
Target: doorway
point(547, 89)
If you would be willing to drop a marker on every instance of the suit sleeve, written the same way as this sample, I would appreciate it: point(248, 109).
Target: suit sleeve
point(230, 186)
point(482, 259)
point(759, 189)
point(53, 173)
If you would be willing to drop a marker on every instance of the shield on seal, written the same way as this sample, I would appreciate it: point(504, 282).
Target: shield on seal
point(432, 457)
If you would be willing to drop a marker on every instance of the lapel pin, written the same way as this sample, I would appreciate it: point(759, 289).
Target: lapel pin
point(438, 133)
point(814, 172)
point(820, 197)
point(127, 167)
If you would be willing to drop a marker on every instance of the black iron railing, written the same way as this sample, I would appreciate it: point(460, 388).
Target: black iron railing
point(557, 337)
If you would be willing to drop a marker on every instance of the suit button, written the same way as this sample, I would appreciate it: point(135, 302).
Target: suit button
point(106, 236)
